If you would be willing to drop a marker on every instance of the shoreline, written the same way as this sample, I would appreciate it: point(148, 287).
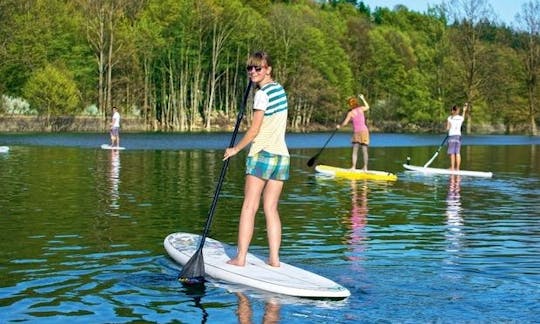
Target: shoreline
point(90, 124)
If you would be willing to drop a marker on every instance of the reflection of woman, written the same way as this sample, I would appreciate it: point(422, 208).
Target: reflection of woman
point(245, 313)
point(359, 211)
point(454, 221)
point(115, 177)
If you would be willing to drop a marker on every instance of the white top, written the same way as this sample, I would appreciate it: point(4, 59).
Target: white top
point(116, 119)
point(271, 98)
point(455, 125)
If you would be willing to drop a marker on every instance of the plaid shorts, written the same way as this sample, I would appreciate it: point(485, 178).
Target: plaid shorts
point(268, 166)
point(454, 144)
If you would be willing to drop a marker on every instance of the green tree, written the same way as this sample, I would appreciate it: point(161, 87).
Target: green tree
point(530, 56)
point(52, 91)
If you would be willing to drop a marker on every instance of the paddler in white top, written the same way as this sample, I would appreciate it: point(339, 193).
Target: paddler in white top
point(453, 126)
point(115, 128)
point(267, 164)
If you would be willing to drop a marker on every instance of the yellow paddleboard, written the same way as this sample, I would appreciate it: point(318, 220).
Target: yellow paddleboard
point(355, 174)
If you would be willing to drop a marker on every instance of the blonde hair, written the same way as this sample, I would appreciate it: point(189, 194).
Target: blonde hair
point(259, 59)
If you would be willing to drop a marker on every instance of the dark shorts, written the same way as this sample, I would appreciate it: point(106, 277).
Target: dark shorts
point(115, 131)
point(268, 166)
point(454, 144)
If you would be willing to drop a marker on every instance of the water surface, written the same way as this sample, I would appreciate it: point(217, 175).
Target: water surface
point(82, 231)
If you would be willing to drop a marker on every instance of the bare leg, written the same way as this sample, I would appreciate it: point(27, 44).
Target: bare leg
point(271, 312)
point(272, 191)
point(365, 156)
point(458, 161)
point(354, 155)
point(252, 194)
point(452, 161)
point(244, 311)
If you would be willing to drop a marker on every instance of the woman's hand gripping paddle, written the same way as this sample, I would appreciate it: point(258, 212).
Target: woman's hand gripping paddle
point(193, 271)
point(436, 153)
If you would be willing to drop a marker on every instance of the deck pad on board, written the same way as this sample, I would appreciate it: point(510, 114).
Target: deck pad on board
point(108, 147)
point(447, 171)
point(355, 173)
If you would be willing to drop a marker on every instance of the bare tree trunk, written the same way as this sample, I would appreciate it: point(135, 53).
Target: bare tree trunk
point(183, 96)
point(220, 34)
point(172, 95)
point(110, 59)
point(146, 92)
point(95, 33)
point(469, 13)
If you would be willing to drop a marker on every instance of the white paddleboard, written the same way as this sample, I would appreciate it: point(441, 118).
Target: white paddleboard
point(447, 171)
point(108, 147)
point(4, 149)
point(285, 279)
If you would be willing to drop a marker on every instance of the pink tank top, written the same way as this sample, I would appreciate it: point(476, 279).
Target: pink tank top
point(359, 120)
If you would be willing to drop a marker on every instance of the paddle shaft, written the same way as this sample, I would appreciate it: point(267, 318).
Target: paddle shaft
point(312, 160)
point(436, 153)
point(193, 271)
point(224, 168)
point(324, 146)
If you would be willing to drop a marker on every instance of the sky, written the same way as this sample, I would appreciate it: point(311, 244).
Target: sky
point(504, 9)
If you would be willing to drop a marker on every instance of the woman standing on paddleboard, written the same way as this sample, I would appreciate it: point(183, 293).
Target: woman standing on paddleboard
point(115, 128)
point(267, 164)
point(360, 130)
point(453, 126)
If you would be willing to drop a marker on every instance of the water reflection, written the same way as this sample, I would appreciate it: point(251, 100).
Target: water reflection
point(77, 260)
point(197, 292)
point(245, 311)
point(358, 218)
point(114, 178)
point(454, 220)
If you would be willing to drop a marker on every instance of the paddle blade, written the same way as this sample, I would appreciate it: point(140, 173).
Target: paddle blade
point(312, 161)
point(193, 271)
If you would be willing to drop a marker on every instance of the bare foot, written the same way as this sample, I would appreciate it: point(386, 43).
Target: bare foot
point(237, 262)
point(274, 264)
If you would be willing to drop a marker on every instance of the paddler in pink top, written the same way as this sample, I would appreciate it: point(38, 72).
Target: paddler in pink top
point(360, 136)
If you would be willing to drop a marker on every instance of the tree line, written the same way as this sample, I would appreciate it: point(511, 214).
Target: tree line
point(180, 64)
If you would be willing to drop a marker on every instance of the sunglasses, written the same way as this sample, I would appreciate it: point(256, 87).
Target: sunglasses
point(257, 68)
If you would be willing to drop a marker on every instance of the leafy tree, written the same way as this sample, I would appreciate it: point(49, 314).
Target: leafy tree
point(530, 56)
point(52, 91)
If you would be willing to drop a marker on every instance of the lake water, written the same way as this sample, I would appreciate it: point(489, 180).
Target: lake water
point(82, 231)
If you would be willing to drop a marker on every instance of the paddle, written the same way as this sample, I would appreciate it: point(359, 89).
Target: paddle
point(312, 160)
point(436, 153)
point(193, 271)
